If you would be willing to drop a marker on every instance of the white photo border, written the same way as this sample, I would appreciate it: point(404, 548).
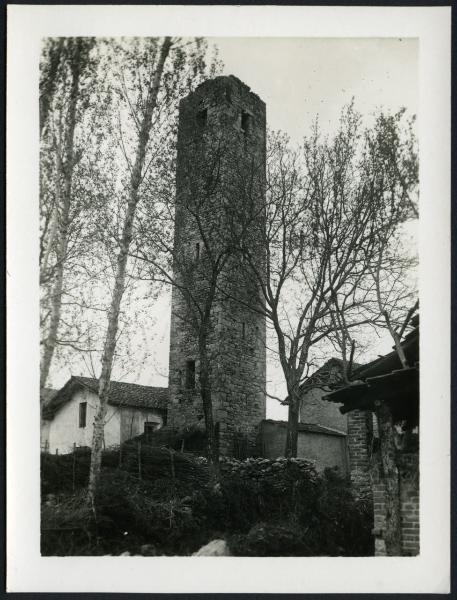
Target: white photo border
point(27, 571)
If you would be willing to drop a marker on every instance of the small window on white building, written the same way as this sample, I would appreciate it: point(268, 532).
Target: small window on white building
point(82, 414)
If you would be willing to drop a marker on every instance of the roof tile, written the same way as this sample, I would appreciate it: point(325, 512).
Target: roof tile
point(121, 394)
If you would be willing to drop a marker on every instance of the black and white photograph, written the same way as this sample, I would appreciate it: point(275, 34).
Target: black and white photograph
point(229, 270)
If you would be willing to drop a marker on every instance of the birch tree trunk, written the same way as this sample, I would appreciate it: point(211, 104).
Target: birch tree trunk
point(66, 171)
point(48, 82)
point(53, 230)
point(119, 282)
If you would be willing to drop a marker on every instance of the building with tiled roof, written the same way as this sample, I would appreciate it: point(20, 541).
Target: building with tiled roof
point(45, 397)
point(313, 408)
point(133, 409)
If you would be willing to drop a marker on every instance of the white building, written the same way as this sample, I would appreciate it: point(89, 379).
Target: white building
point(67, 419)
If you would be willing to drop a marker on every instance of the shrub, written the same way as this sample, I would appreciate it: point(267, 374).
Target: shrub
point(262, 489)
point(60, 473)
point(128, 516)
point(266, 539)
point(345, 523)
point(262, 507)
point(320, 509)
point(66, 526)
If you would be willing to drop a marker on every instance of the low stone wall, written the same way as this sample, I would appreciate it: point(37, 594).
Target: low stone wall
point(409, 497)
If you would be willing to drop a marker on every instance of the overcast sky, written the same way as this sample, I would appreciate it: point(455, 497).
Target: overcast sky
point(299, 79)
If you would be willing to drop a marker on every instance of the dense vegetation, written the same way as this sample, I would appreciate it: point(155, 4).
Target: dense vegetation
point(163, 503)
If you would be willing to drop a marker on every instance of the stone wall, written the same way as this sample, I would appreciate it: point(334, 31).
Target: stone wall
point(221, 144)
point(313, 409)
point(409, 498)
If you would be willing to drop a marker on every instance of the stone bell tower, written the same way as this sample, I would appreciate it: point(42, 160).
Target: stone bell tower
point(219, 208)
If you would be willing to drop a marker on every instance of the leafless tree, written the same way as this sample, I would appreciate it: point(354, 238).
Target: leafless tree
point(324, 223)
point(144, 129)
point(390, 166)
point(391, 163)
point(204, 231)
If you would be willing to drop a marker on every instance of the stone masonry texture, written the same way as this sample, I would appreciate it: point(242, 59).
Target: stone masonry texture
point(220, 186)
point(409, 505)
point(314, 409)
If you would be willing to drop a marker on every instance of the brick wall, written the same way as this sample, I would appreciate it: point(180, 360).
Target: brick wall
point(359, 439)
point(408, 465)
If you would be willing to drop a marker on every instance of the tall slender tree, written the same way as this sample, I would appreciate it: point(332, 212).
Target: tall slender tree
point(53, 54)
point(144, 130)
point(66, 72)
point(151, 76)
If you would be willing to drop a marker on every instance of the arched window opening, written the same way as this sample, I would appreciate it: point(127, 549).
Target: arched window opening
point(246, 122)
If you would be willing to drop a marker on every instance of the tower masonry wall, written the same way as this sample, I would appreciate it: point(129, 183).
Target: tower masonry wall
point(220, 190)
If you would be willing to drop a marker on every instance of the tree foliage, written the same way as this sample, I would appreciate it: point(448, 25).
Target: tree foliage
point(67, 198)
point(112, 80)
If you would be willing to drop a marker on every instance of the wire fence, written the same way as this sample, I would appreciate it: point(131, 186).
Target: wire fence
point(70, 470)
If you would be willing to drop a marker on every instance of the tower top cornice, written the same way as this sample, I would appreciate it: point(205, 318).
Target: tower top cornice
point(223, 83)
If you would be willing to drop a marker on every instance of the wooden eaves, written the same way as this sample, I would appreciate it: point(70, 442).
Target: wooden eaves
point(399, 389)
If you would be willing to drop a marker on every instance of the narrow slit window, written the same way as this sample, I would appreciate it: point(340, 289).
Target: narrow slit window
point(228, 94)
point(243, 330)
point(197, 251)
point(190, 374)
point(245, 122)
point(82, 414)
point(202, 117)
